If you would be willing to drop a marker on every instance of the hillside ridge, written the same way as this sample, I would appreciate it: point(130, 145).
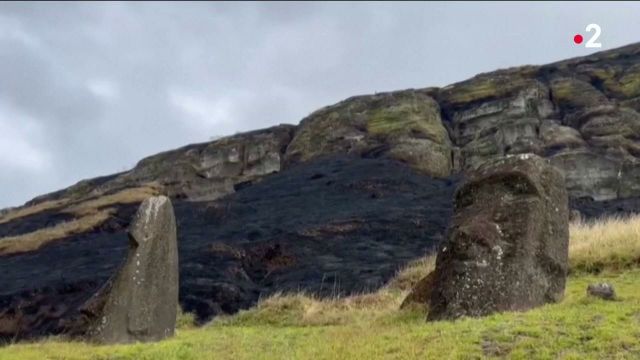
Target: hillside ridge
point(582, 113)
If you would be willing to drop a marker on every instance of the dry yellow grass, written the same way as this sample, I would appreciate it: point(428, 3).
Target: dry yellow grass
point(34, 240)
point(612, 243)
point(413, 272)
point(126, 196)
point(89, 213)
point(30, 210)
point(307, 310)
point(84, 207)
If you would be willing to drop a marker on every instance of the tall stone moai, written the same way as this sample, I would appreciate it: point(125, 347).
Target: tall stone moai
point(139, 303)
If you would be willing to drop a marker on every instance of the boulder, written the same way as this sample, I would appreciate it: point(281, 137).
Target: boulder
point(507, 245)
point(603, 291)
point(140, 302)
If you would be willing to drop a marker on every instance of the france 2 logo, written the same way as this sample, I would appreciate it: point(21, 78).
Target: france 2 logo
point(592, 41)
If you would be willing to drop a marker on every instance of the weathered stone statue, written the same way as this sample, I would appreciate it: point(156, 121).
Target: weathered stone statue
point(140, 302)
point(507, 245)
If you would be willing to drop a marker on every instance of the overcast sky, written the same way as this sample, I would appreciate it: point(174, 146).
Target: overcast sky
point(88, 89)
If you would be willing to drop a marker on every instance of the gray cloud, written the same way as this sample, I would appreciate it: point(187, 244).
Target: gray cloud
point(88, 89)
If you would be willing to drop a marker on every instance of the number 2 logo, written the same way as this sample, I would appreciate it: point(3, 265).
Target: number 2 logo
point(592, 42)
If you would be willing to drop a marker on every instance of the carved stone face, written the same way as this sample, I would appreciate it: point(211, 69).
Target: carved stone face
point(495, 257)
point(496, 219)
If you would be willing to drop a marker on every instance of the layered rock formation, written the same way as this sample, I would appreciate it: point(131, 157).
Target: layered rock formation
point(583, 114)
point(508, 242)
point(196, 172)
point(405, 126)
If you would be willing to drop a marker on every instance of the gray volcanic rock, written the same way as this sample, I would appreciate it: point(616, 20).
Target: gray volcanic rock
point(403, 125)
point(196, 172)
point(507, 246)
point(603, 291)
point(140, 303)
point(496, 127)
point(582, 113)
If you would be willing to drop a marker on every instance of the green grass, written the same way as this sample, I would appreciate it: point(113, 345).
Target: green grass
point(406, 118)
point(577, 328)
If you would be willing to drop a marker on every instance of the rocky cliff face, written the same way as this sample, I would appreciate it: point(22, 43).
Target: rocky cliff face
point(196, 172)
point(583, 114)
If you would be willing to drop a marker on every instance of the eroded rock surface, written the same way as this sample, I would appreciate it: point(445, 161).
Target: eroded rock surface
point(583, 114)
point(507, 245)
point(196, 172)
point(403, 125)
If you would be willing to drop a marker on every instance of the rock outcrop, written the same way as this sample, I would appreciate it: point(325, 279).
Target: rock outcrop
point(603, 291)
point(196, 172)
point(140, 302)
point(507, 245)
point(404, 126)
point(583, 114)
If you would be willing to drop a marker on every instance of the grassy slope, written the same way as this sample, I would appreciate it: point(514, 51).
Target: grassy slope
point(370, 326)
point(88, 214)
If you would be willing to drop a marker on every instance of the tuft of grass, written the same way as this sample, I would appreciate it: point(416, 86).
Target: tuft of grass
point(305, 310)
point(300, 309)
point(185, 320)
point(413, 272)
point(34, 240)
